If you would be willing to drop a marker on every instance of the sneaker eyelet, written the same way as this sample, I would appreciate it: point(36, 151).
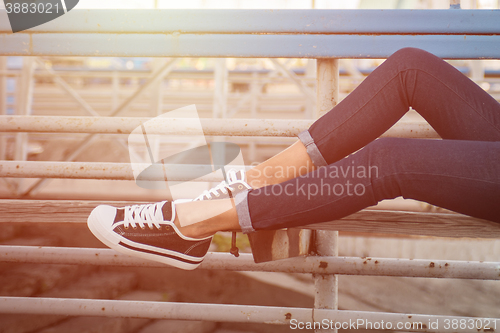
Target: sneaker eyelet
point(143, 228)
point(240, 186)
point(126, 227)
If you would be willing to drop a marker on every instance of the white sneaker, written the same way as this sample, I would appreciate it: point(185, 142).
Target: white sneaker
point(148, 231)
point(227, 189)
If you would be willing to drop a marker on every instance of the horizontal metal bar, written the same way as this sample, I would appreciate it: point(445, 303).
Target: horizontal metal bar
point(246, 45)
point(98, 170)
point(225, 261)
point(272, 21)
point(185, 126)
point(241, 313)
point(157, 310)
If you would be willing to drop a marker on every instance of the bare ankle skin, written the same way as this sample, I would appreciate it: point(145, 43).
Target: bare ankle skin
point(199, 219)
point(290, 163)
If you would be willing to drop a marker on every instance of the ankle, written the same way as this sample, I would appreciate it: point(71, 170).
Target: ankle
point(190, 231)
point(198, 230)
point(195, 232)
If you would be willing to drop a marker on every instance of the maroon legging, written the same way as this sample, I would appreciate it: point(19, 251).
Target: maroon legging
point(460, 172)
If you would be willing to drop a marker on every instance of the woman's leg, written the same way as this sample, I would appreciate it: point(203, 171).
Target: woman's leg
point(452, 104)
point(459, 175)
point(455, 106)
point(463, 176)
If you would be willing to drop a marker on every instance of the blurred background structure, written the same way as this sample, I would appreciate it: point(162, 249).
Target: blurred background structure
point(220, 88)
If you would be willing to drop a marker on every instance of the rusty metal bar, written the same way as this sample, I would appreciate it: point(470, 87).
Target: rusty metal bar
point(293, 317)
point(224, 261)
point(158, 310)
point(3, 104)
point(98, 170)
point(326, 285)
point(247, 45)
point(184, 126)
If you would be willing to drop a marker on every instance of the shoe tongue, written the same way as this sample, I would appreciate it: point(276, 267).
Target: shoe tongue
point(166, 210)
point(233, 177)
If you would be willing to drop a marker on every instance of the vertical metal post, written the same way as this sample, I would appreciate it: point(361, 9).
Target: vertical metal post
point(310, 73)
point(24, 99)
point(220, 98)
point(326, 285)
point(254, 99)
point(476, 70)
point(3, 104)
point(220, 88)
point(115, 98)
point(454, 4)
point(156, 103)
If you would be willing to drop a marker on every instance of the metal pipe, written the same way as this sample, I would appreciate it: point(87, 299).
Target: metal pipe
point(243, 314)
point(98, 170)
point(247, 46)
point(3, 104)
point(326, 285)
point(224, 261)
point(184, 126)
point(372, 21)
point(455, 4)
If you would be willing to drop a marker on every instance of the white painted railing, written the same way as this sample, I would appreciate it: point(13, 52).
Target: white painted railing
point(446, 43)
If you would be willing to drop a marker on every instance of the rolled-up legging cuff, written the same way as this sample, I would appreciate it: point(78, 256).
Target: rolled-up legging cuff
point(312, 150)
point(241, 203)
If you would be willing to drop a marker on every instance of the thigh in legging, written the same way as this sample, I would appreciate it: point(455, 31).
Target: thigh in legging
point(453, 105)
point(463, 176)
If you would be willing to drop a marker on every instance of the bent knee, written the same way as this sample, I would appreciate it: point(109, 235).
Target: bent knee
point(412, 58)
point(410, 53)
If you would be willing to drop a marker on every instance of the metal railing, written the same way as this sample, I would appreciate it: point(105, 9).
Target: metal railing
point(353, 34)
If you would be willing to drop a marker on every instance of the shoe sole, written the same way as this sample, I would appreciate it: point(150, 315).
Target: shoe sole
point(128, 247)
